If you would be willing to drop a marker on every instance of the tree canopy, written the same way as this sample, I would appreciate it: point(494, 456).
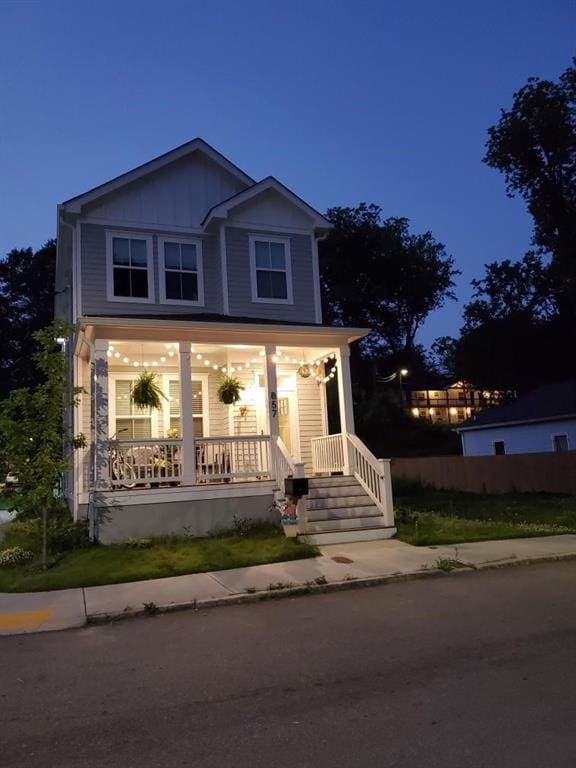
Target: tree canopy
point(534, 146)
point(26, 306)
point(376, 273)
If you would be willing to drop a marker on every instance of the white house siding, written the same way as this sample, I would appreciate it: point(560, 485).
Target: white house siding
point(178, 195)
point(309, 417)
point(240, 294)
point(217, 411)
point(521, 438)
point(94, 275)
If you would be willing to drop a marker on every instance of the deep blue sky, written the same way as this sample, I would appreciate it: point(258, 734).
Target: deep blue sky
point(342, 101)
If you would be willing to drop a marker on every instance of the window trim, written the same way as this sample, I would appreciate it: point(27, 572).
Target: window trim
point(494, 447)
point(203, 379)
point(110, 234)
point(560, 434)
point(113, 377)
point(285, 241)
point(199, 269)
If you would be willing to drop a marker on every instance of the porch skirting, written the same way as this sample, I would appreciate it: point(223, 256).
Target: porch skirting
point(193, 511)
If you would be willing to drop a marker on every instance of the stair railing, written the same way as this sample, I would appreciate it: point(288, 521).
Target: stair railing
point(373, 475)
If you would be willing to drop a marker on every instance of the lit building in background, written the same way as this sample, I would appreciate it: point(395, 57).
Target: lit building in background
point(449, 405)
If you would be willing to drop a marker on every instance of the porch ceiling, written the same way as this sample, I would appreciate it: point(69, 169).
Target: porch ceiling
point(160, 330)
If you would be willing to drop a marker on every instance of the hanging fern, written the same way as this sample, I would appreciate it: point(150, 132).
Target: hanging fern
point(146, 392)
point(229, 391)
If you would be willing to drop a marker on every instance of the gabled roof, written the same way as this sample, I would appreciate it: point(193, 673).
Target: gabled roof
point(548, 402)
point(221, 210)
point(74, 204)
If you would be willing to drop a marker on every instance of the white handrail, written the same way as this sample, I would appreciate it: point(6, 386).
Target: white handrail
point(373, 475)
point(284, 465)
point(327, 453)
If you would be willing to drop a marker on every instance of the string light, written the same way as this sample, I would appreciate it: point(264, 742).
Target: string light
point(278, 356)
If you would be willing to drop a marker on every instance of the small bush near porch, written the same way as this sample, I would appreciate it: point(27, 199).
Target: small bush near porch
point(426, 516)
point(154, 559)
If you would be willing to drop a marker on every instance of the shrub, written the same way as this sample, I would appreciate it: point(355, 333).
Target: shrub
point(63, 534)
point(15, 556)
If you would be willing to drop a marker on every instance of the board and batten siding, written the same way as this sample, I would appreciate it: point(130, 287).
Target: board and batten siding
point(239, 288)
point(309, 417)
point(94, 276)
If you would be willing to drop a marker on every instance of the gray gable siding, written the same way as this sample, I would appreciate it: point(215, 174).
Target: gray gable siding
point(93, 271)
point(239, 290)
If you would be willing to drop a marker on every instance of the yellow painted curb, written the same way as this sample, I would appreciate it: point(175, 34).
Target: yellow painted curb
point(24, 619)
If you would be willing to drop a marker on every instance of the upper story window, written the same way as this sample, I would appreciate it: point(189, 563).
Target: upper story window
point(270, 269)
point(129, 260)
point(181, 276)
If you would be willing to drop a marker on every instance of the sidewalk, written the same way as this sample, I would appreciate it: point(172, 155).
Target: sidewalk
point(339, 566)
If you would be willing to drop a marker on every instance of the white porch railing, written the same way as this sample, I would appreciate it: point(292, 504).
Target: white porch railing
point(133, 462)
point(329, 455)
point(231, 458)
point(140, 462)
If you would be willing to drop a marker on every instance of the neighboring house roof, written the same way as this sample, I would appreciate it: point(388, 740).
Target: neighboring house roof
point(221, 210)
point(547, 403)
point(74, 204)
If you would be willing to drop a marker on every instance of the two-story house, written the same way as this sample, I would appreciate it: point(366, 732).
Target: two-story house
point(187, 268)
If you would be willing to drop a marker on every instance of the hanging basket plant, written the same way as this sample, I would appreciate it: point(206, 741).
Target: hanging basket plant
point(230, 390)
point(146, 392)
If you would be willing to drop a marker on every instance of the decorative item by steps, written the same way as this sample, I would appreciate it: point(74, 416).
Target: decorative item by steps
point(146, 392)
point(229, 391)
point(289, 517)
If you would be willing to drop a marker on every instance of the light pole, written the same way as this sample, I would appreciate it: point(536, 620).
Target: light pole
point(401, 374)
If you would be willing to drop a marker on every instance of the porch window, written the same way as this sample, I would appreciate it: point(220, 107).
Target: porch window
point(129, 267)
point(131, 423)
point(174, 408)
point(181, 271)
point(271, 273)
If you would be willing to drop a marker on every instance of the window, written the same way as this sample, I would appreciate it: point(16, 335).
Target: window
point(181, 280)
point(131, 423)
point(560, 443)
point(499, 448)
point(271, 271)
point(198, 416)
point(129, 260)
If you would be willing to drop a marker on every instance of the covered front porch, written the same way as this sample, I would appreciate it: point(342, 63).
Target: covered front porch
point(194, 440)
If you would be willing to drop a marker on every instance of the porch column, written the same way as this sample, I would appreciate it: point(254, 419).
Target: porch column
point(188, 461)
point(345, 402)
point(101, 465)
point(271, 386)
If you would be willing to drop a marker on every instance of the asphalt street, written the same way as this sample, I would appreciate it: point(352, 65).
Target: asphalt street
point(474, 670)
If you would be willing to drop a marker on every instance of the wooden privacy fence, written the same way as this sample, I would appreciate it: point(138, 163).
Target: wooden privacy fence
point(536, 472)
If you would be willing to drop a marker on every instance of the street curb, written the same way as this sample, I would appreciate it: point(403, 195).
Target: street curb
point(313, 588)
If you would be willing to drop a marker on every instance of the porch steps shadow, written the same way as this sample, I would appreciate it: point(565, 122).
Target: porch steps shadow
point(338, 510)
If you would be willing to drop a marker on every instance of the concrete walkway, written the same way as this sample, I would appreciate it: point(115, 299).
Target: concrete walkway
point(339, 566)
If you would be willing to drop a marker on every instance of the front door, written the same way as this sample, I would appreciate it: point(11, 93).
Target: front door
point(284, 425)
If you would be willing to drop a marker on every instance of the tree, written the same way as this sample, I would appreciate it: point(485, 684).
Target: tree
point(26, 305)
point(534, 145)
point(34, 440)
point(526, 287)
point(377, 273)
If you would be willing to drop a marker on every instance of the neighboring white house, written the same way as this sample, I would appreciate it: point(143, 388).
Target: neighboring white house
point(543, 421)
point(187, 267)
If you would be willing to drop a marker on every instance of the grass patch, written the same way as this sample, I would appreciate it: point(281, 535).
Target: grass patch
point(427, 516)
point(169, 556)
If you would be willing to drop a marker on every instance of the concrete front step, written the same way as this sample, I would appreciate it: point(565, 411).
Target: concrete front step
point(343, 524)
point(329, 480)
point(343, 513)
point(333, 491)
point(348, 536)
point(334, 502)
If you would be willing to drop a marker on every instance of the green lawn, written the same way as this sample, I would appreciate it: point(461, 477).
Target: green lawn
point(426, 516)
point(167, 557)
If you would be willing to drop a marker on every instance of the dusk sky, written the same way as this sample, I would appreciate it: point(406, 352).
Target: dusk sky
point(342, 101)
